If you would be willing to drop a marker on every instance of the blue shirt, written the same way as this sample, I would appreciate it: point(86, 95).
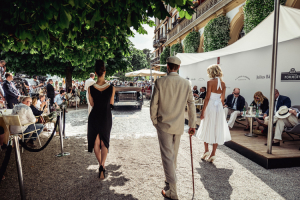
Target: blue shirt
point(58, 99)
point(234, 105)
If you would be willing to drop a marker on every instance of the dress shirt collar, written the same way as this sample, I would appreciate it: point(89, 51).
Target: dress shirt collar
point(173, 74)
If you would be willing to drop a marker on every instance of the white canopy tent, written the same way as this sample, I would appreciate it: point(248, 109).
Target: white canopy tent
point(260, 36)
point(246, 64)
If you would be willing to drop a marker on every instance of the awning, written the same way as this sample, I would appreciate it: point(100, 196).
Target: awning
point(260, 36)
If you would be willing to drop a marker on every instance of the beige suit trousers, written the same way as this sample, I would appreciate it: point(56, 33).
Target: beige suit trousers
point(290, 121)
point(233, 115)
point(169, 145)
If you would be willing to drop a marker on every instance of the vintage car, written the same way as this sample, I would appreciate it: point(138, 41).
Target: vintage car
point(129, 96)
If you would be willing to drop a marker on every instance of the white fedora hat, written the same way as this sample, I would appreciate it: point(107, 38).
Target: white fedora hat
point(283, 112)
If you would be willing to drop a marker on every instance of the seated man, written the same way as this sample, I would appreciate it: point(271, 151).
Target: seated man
point(285, 118)
point(195, 91)
point(26, 116)
point(234, 106)
point(280, 100)
point(202, 94)
point(59, 100)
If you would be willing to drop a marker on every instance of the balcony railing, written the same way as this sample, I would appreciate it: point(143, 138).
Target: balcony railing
point(199, 11)
point(155, 60)
point(156, 43)
point(162, 38)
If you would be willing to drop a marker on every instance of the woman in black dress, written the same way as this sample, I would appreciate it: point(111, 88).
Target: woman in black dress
point(101, 98)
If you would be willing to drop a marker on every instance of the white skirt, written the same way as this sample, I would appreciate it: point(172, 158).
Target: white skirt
point(213, 128)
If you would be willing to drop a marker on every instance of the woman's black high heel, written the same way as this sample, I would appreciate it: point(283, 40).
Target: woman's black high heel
point(101, 172)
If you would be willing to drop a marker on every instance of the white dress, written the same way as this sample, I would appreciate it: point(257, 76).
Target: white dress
point(214, 128)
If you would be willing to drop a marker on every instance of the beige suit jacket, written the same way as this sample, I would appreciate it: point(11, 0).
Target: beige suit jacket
point(170, 96)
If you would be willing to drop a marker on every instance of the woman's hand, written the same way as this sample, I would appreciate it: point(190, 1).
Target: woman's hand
point(202, 116)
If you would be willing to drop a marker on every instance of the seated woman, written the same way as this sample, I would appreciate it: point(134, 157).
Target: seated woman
point(261, 102)
point(36, 111)
point(39, 111)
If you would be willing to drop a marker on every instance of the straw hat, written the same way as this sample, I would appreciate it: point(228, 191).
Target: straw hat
point(283, 112)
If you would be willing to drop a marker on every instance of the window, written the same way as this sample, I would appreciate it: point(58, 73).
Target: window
point(242, 33)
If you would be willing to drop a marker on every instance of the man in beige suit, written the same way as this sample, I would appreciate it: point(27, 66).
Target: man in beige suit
point(170, 96)
point(88, 83)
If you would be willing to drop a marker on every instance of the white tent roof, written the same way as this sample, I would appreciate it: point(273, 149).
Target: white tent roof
point(260, 36)
point(146, 72)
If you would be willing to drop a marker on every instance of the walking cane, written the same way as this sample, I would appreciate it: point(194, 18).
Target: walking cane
point(191, 134)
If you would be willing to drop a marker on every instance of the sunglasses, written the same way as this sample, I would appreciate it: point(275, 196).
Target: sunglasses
point(236, 93)
point(256, 97)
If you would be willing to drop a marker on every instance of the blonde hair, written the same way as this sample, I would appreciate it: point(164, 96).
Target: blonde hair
point(260, 96)
point(214, 71)
point(34, 101)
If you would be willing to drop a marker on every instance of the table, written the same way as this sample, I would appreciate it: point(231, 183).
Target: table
point(251, 134)
point(201, 106)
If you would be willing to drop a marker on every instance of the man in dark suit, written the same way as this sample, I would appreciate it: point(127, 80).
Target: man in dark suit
point(50, 92)
point(280, 100)
point(234, 106)
point(202, 94)
point(195, 91)
point(12, 95)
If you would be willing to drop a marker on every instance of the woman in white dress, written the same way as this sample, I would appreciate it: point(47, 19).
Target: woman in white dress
point(213, 127)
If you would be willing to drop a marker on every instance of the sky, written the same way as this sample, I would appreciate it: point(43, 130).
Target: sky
point(141, 41)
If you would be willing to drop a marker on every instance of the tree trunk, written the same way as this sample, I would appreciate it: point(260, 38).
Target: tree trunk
point(69, 71)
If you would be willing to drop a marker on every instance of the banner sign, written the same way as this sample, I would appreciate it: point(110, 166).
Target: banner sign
point(291, 76)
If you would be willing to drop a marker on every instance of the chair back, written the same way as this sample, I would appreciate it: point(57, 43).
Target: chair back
point(12, 120)
point(246, 105)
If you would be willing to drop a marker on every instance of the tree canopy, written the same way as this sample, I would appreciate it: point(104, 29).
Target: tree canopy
point(74, 33)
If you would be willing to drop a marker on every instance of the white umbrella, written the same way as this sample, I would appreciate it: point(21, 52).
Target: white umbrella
point(114, 77)
point(146, 72)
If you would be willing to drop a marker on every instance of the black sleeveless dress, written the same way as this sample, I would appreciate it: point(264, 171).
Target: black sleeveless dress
point(100, 118)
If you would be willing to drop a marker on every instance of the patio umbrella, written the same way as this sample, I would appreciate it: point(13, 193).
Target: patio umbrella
point(145, 72)
point(113, 77)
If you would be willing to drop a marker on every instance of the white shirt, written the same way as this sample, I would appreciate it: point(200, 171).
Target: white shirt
point(38, 104)
point(26, 116)
point(275, 105)
point(88, 83)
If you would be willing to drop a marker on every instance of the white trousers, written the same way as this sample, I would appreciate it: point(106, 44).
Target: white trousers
point(233, 115)
point(289, 122)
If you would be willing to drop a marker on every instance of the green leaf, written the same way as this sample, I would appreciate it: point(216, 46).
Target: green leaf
point(181, 14)
point(72, 3)
point(64, 18)
point(129, 23)
point(105, 1)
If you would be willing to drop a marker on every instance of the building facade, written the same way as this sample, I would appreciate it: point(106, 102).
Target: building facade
point(173, 29)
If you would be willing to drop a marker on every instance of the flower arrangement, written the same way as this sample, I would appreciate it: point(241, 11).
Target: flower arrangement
point(216, 34)
point(191, 42)
point(177, 48)
point(255, 11)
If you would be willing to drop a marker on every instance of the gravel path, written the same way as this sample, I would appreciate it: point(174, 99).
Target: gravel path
point(134, 168)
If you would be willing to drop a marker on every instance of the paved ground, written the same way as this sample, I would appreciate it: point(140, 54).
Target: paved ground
point(135, 170)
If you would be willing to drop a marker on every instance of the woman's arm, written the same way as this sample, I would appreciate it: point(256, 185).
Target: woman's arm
point(208, 93)
point(223, 94)
point(112, 100)
point(91, 98)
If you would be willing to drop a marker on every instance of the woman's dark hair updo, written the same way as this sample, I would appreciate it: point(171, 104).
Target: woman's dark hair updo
point(99, 68)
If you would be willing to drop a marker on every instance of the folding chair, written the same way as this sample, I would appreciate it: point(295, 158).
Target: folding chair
point(14, 120)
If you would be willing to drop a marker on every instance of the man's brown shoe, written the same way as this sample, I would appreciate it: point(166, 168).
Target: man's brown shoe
point(171, 193)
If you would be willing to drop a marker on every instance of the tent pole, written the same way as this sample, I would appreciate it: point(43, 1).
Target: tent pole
point(273, 75)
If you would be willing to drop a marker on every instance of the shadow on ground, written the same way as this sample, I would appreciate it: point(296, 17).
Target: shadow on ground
point(283, 182)
point(215, 180)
